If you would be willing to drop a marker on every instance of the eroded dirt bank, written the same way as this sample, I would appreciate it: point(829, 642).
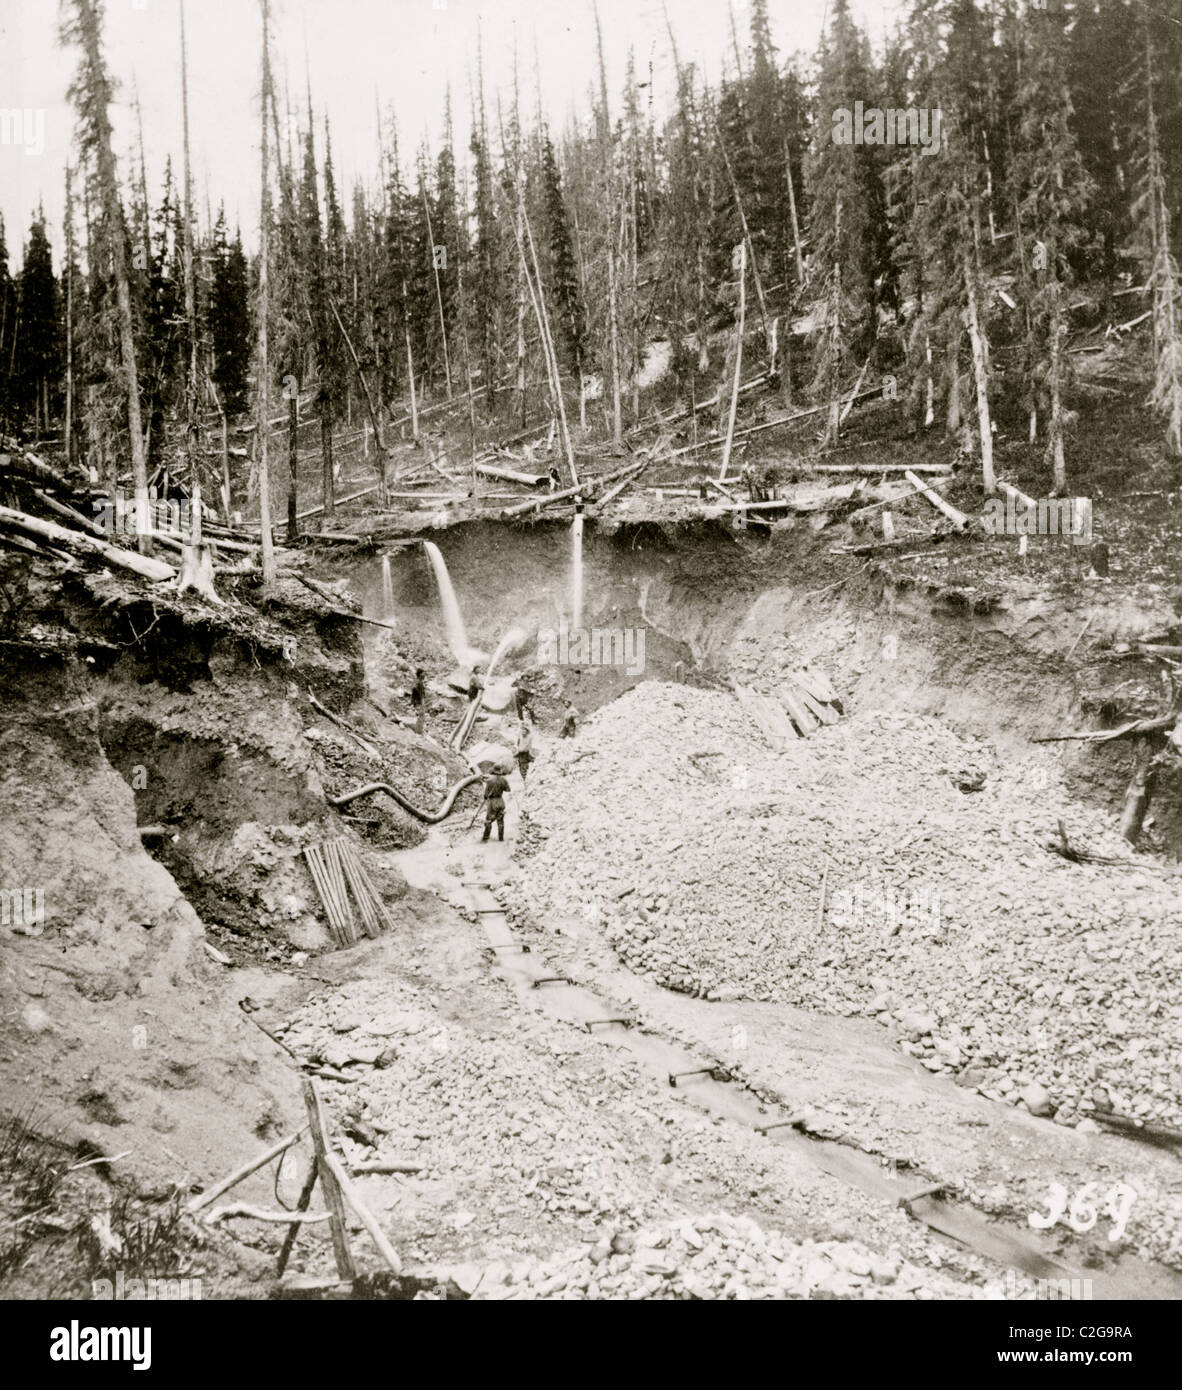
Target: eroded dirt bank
point(544, 1155)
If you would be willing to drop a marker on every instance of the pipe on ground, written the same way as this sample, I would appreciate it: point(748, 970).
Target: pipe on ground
point(428, 817)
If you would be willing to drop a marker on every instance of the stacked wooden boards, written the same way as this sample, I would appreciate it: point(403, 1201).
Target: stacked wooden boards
point(336, 870)
point(801, 702)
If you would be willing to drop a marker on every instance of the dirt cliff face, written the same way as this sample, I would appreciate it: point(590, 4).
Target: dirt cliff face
point(120, 1029)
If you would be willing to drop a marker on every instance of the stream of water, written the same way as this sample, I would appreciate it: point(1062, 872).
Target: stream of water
point(457, 636)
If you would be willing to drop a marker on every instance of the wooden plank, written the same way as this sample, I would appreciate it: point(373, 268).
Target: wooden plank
point(825, 713)
point(804, 720)
point(816, 683)
point(239, 1174)
point(329, 1182)
point(364, 1215)
point(293, 1230)
point(777, 720)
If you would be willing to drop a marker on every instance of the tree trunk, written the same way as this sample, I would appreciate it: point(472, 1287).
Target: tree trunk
point(293, 455)
point(981, 374)
point(617, 417)
point(438, 293)
point(1055, 425)
point(795, 224)
point(1139, 793)
point(268, 541)
point(730, 425)
point(113, 214)
point(190, 283)
point(326, 453)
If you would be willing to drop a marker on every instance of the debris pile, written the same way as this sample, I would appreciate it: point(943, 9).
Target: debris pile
point(885, 867)
point(714, 1257)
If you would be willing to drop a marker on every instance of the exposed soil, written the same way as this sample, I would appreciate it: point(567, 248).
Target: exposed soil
point(551, 1163)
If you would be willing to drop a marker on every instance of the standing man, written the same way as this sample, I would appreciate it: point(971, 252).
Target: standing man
point(494, 808)
point(418, 698)
point(521, 699)
point(524, 749)
point(554, 479)
point(568, 721)
point(474, 683)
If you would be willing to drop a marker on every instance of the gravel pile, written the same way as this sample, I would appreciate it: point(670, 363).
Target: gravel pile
point(701, 855)
point(714, 1257)
point(533, 1139)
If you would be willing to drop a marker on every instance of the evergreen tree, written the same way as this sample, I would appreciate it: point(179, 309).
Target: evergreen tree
point(1152, 212)
point(230, 319)
point(39, 358)
point(8, 311)
point(91, 92)
point(1053, 190)
point(564, 284)
point(843, 193)
point(487, 258)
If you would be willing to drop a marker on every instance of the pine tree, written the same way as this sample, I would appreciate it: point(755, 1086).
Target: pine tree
point(1102, 50)
point(942, 238)
point(8, 309)
point(1152, 212)
point(331, 288)
point(91, 93)
point(564, 279)
point(841, 179)
point(1053, 191)
point(230, 325)
point(488, 256)
point(39, 359)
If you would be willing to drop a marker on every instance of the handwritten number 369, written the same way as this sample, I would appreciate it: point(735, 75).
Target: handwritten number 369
point(1081, 1216)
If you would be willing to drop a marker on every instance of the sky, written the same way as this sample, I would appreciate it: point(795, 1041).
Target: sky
point(403, 54)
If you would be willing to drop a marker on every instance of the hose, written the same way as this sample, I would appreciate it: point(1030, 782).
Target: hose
point(429, 817)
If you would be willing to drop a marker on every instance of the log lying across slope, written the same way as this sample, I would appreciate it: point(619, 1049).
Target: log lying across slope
point(79, 543)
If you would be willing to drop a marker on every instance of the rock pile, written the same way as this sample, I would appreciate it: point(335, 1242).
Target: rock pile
point(715, 1257)
point(702, 856)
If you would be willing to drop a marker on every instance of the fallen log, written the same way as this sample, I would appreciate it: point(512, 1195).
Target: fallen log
point(1138, 726)
point(624, 483)
point(564, 494)
point(27, 547)
point(957, 517)
point(342, 612)
point(30, 466)
point(78, 542)
point(509, 475)
point(1019, 498)
point(88, 524)
point(936, 469)
point(767, 425)
point(1140, 1129)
